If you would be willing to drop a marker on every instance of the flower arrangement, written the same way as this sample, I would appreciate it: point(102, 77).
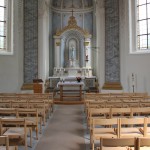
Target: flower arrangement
point(78, 79)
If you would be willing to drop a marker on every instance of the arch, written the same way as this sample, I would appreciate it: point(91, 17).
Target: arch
point(79, 39)
point(72, 31)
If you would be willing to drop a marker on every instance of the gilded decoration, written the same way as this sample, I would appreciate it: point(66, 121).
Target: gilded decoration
point(57, 43)
point(72, 25)
point(86, 43)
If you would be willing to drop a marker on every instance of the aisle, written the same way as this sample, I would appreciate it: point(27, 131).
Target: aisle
point(65, 130)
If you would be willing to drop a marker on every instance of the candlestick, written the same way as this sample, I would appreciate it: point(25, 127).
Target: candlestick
point(133, 82)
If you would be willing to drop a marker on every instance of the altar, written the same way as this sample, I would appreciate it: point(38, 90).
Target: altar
point(70, 89)
point(73, 56)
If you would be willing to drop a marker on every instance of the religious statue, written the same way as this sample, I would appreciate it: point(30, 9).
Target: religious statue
point(72, 52)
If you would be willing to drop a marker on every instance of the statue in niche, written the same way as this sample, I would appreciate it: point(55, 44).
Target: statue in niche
point(72, 52)
point(72, 56)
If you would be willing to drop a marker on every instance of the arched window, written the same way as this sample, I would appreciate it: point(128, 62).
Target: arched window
point(6, 28)
point(143, 25)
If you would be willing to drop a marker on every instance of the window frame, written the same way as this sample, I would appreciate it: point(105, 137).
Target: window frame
point(147, 25)
point(133, 32)
point(9, 29)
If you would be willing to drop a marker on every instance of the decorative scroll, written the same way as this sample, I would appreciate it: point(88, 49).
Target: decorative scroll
point(72, 25)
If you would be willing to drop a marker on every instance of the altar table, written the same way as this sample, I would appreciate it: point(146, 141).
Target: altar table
point(70, 87)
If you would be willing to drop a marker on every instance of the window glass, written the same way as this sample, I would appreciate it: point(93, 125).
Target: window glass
point(149, 26)
point(2, 13)
point(141, 2)
point(143, 24)
point(2, 28)
point(143, 41)
point(148, 41)
point(1, 43)
point(2, 2)
point(148, 10)
point(142, 12)
point(143, 27)
point(148, 1)
point(2, 25)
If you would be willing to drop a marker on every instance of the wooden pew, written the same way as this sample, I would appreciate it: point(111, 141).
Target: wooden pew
point(32, 119)
point(6, 104)
point(112, 143)
point(8, 112)
point(19, 104)
point(97, 113)
point(120, 112)
point(131, 127)
point(95, 104)
point(140, 112)
point(129, 103)
point(146, 129)
point(42, 109)
point(4, 144)
point(99, 129)
point(16, 130)
point(114, 103)
point(143, 142)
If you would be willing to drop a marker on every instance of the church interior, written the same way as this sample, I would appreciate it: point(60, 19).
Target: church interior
point(74, 74)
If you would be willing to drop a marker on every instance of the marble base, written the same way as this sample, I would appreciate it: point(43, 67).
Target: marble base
point(112, 86)
point(27, 86)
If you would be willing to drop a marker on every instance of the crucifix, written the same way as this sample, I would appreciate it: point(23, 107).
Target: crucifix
point(72, 8)
point(72, 12)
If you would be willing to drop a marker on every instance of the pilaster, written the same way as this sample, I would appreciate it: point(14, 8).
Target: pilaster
point(87, 47)
point(112, 49)
point(30, 40)
point(57, 52)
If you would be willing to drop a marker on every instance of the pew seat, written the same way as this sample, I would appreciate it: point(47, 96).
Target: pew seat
point(117, 144)
point(4, 144)
point(16, 130)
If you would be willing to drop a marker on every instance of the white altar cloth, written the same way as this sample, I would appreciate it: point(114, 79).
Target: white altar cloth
point(70, 83)
point(70, 89)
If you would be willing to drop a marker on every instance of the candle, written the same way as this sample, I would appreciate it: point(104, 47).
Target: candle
point(133, 80)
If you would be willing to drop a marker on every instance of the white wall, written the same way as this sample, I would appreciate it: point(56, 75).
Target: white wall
point(11, 66)
point(137, 64)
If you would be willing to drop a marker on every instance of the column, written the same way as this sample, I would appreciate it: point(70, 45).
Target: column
point(87, 48)
point(57, 52)
point(43, 40)
point(112, 52)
